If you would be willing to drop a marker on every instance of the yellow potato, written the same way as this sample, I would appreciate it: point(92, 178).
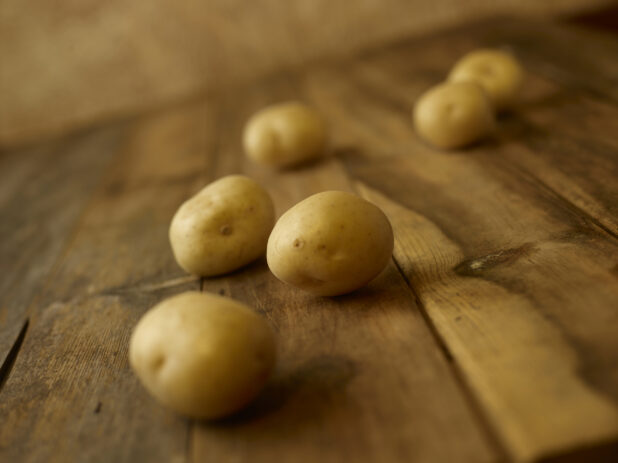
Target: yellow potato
point(285, 134)
point(223, 227)
point(202, 355)
point(497, 72)
point(330, 243)
point(453, 115)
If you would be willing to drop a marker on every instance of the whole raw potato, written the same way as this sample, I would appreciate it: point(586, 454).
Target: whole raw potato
point(330, 243)
point(497, 72)
point(202, 355)
point(285, 134)
point(453, 115)
point(223, 227)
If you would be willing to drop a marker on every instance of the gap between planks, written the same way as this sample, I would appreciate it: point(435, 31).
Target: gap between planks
point(482, 419)
point(11, 357)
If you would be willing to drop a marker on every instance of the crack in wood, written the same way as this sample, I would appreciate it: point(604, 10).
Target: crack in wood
point(148, 287)
point(9, 361)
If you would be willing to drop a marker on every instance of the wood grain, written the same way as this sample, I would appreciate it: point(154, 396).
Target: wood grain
point(43, 190)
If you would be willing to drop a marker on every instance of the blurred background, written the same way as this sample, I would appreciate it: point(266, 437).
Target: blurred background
point(70, 63)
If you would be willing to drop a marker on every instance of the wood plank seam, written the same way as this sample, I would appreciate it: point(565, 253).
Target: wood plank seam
point(145, 287)
point(592, 220)
point(189, 439)
point(11, 357)
point(475, 406)
point(468, 393)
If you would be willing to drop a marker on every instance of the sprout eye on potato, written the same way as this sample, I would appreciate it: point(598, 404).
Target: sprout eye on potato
point(202, 355)
point(330, 243)
point(453, 115)
point(497, 72)
point(223, 227)
point(285, 134)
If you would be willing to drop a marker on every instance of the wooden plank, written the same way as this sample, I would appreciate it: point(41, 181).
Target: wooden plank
point(359, 377)
point(71, 395)
point(518, 281)
point(42, 192)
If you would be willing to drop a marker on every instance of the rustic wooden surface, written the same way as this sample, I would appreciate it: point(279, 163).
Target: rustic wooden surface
point(68, 63)
point(492, 336)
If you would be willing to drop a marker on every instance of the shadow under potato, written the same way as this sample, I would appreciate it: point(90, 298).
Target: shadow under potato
point(305, 389)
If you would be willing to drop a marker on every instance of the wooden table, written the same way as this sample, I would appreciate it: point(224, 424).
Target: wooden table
point(492, 335)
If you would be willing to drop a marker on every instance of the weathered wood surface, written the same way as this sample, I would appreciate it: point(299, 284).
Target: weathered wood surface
point(493, 336)
point(42, 192)
point(71, 395)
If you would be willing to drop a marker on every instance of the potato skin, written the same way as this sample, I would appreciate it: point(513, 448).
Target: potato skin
point(285, 134)
point(330, 243)
point(453, 115)
point(500, 75)
point(202, 355)
point(223, 227)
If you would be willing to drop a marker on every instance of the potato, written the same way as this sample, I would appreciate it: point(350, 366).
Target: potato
point(453, 115)
point(223, 227)
point(285, 134)
point(202, 355)
point(497, 72)
point(330, 243)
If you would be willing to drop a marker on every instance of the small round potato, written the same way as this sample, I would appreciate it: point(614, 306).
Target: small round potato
point(330, 243)
point(223, 227)
point(202, 355)
point(497, 72)
point(453, 115)
point(285, 134)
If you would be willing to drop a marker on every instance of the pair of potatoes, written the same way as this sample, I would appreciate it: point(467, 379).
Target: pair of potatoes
point(461, 111)
point(329, 244)
point(207, 356)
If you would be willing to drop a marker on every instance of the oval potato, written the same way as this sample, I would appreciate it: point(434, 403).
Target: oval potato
point(330, 243)
point(453, 115)
point(285, 134)
point(499, 73)
point(202, 355)
point(223, 227)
